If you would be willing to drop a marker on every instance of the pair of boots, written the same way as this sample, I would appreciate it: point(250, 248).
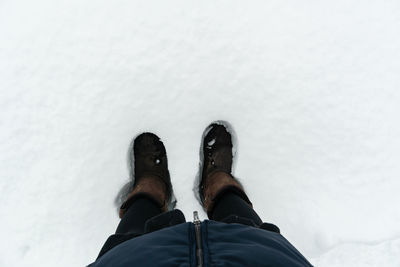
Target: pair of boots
point(152, 177)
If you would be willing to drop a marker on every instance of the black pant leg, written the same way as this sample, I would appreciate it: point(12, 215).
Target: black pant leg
point(144, 215)
point(136, 216)
point(229, 204)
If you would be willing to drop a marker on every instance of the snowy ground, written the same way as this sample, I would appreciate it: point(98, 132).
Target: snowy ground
point(311, 87)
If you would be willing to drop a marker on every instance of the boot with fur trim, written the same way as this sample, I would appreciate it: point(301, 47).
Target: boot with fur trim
point(216, 169)
point(151, 173)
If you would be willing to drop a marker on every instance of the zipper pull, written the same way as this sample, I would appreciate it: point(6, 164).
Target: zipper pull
point(196, 219)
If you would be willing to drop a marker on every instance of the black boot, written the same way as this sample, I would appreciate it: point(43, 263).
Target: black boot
point(150, 171)
point(216, 159)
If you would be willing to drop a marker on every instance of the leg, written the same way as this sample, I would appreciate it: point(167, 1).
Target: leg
point(142, 209)
point(230, 203)
point(224, 196)
point(133, 222)
point(143, 215)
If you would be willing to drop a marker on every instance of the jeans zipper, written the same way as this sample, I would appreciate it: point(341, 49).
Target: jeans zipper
point(197, 229)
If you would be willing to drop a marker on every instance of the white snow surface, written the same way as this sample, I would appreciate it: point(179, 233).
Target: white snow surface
point(310, 87)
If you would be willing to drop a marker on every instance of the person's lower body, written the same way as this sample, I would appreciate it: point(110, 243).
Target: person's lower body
point(221, 195)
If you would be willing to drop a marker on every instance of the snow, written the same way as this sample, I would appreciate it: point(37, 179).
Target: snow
point(311, 89)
